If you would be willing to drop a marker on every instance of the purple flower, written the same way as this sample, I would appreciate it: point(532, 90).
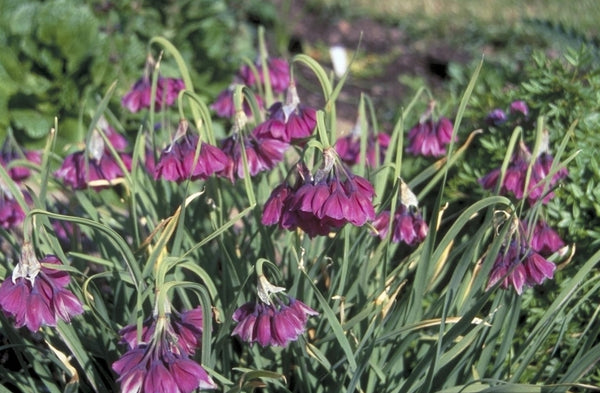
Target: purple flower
point(35, 295)
point(514, 178)
point(271, 324)
point(541, 168)
point(496, 117)
point(429, 138)
point(318, 204)
point(262, 154)
point(178, 162)
point(11, 213)
point(291, 121)
point(139, 96)
point(408, 225)
point(95, 167)
point(348, 147)
point(224, 106)
point(9, 154)
point(519, 106)
point(278, 70)
point(161, 361)
point(544, 239)
point(519, 266)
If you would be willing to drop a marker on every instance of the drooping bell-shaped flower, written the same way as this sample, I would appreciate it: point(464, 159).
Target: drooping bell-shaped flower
point(140, 95)
point(348, 147)
point(519, 107)
point(36, 294)
point(271, 322)
point(8, 156)
point(323, 202)
point(95, 166)
point(496, 117)
point(224, 106)
point(429, 137)
point(408, 225)
point(277, 68)
point(290, 121)
point(183, 159)
point(514, 178)
point(161, 361)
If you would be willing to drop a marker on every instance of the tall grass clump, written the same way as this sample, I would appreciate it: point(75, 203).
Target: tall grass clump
point(239, 243)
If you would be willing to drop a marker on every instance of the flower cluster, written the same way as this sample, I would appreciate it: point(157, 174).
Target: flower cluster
point(271, 324)
point(348, 147)
point(160, 361)
point(36, 294)
point(514, 181)
point(318, 204)
point(140, 95)
point(518, 109)
point(429, 137)
point(95, 166)
point(407, 224)
point(179, 161)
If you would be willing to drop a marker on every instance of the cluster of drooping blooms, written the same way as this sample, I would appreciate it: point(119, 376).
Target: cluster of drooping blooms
point(161, 360)
point(183, 159)
point(278, 70)
point(319, 204)
point(11, 213)
point(270, 322)
point(429, 137)
point(407, 224)
point(348, 147)
point(140, 94)
point(36, 294)
point(538, 188)
point(95, 166)
point(517, 110)
point(521, 262)
point(290, 121)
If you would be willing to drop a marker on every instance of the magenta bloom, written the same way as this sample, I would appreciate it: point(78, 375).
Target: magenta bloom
point(323, 203)
point(35, 295)
point(429, 138)
point(11, 213)
point(544, 239)
point(161, 361)
point(262, 153)
point(496, 117)
point(84, 168)
point(270, 324)
point(279, 74)
point(541, 168)
point(514, 178)
point(178, 162)
point(519, 107)
point(139, 96)
point(348, 147)
point(224, 106)
point(518, 266)
point(9, 154)
point(408, 225)
point(291, 121)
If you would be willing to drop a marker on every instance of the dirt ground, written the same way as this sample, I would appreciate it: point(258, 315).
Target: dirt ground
point(386, 54)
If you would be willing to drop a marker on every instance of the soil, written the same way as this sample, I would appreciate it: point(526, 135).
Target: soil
point(386, 55)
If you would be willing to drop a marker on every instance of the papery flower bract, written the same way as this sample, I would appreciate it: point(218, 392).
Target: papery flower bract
point(279, 74)
point(35, 295)
point(428, 137)
point(161, 362)
point(271, 324)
